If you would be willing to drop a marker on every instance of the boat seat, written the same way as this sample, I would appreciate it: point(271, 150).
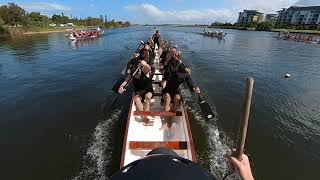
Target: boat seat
point(150, 145)
point(156, 82)
point(157, 94)
point(162, 113)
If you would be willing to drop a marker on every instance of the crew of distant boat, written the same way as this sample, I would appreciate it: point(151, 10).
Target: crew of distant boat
point(296, 37)
point(84, 35)
point(216, 34)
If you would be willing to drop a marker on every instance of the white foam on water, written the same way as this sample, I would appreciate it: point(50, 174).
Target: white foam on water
point(98, 155)
point(217, 147)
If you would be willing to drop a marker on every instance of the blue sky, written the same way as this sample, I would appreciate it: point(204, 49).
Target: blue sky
point(160, 11)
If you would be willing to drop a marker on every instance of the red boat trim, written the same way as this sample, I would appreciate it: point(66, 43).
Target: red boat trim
point(150, 145)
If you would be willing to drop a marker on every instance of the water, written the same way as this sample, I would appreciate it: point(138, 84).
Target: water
point(54, 123)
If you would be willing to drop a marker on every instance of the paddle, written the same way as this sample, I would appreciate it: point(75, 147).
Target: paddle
point(204, 105)
point(245, 120)
point(111, 99)
point(121, 80)
point(243, 124)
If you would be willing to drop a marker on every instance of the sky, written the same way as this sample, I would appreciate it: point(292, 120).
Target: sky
point(160, 11)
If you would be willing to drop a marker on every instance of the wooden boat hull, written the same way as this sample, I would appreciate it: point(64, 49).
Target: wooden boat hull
point(139, 139)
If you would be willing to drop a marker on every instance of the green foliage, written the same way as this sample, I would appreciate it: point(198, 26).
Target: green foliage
point(60, 19)
point(1, 22)
point(13, 14)
point(265, 26)
point(251, 25)
point(36, 19)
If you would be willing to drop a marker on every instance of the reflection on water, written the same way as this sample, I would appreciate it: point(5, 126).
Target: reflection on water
point(26, 48)
point(85, 43)
point(60, 93)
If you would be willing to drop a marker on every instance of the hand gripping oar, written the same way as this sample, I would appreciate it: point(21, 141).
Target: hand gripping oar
point(123, 72)
point(244, 123)
point(112, 98)
point(116, 87)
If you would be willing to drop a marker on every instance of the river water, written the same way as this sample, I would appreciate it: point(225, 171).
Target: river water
point(56, 122)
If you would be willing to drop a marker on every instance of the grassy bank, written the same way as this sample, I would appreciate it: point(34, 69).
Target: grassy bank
point(41, 30)
point(14, 31)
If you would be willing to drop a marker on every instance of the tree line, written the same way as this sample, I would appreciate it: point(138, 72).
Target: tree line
point(11, 15)
point(263, 26)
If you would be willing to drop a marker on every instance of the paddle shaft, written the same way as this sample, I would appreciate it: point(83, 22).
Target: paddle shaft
point(245, 120)
point(133, 74)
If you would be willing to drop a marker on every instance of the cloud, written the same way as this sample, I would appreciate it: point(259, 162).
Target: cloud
point(265, 6)
point(44, 7)
point(152, 14)
point(149, 13)
point(308, 3)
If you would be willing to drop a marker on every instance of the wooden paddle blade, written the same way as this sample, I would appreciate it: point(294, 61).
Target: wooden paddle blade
point(116, 87)
point(163, 113)
point(205, 108)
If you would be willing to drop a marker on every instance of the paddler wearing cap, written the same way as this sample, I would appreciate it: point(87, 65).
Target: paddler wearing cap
point(142, 82)
point(176, 74)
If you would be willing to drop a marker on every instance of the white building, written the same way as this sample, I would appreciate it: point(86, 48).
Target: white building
point(250, 16)
point(309, 16)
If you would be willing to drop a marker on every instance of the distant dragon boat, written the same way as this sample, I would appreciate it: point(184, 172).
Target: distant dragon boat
point(295, 37)
point(85, 35)
point(213, 34)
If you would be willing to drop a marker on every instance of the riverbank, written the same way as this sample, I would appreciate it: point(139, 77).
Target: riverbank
point(316, 32)
point(52, 30)
point(297, 31)
point(17, 31)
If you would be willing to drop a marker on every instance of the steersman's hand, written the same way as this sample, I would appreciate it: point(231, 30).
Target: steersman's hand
point(242, 167)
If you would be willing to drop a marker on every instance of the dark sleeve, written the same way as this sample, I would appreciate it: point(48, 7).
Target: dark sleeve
point(189, 82)
point(166, 75)
point(188, 78)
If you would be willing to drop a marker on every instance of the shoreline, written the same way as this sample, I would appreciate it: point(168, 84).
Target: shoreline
point(52, 31)
point(47, 31)
point(314, 32)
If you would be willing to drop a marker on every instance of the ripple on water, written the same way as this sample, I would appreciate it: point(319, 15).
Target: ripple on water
point(98, 156)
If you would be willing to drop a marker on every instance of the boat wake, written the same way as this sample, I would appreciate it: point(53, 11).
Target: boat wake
point(216, 142)
point(97, 159)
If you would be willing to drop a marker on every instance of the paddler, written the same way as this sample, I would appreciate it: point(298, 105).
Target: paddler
point(156, 39)
point(142, 82)
point(176, 74)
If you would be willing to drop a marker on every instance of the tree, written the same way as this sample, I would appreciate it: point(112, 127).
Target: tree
point(36, 19)
point(12, 14)
point(59, 19)
point(1, 22)
point(265, 26)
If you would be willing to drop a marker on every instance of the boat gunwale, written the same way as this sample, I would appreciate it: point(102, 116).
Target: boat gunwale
point(124, 145)
point(193, 152)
